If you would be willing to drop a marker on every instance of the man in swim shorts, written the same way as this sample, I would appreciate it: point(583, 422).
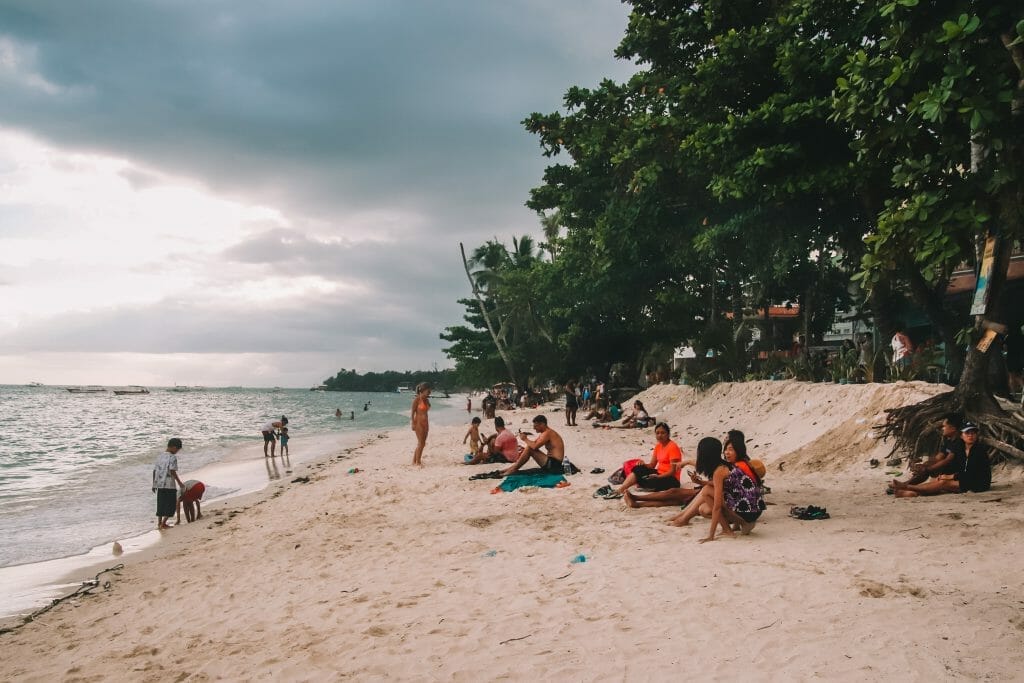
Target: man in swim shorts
point(547, 449)
point(191, 493)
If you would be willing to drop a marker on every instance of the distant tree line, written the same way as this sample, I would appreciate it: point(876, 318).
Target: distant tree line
point(390, 380)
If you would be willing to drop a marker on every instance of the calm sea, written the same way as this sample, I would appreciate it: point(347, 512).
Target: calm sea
point(75, 469)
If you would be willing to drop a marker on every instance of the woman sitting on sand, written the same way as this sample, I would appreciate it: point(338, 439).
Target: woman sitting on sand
point(729, 493)
point(638, 418)
point(662, 473)
point(420, 423)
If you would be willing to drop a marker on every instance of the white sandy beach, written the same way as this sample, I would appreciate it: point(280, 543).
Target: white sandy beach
point(387, 574)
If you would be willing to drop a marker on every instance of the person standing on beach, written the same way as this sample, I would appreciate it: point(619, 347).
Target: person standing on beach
point(166, 482)
point(284, 442)
point(571, 404)
point(420, 423)
point(268, 434)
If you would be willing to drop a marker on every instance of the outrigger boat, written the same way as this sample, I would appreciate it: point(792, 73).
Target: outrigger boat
point(86, 390)
point(130, 391)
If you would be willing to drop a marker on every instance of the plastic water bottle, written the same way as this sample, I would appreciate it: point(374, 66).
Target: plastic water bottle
point(566, 466)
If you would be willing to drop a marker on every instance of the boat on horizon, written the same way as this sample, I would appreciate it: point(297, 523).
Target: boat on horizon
point(402, 388)
point(182, 388)
point(131, 391)
point(86, 390)
point(34, 384)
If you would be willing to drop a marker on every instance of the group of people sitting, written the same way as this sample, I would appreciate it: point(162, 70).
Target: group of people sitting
point(961, 464)
point(546, 448)
point(725, 484)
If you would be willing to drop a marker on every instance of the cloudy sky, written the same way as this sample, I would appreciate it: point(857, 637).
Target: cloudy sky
point(246, 192)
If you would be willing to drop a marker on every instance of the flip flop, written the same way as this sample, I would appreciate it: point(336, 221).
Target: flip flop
point(597, 470)
point(602, 492)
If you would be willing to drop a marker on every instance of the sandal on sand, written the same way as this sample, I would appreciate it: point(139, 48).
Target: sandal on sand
point(602, 492)
point(612, 495)
point(809, 512)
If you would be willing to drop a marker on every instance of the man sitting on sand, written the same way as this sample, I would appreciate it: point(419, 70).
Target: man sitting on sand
point(975, 474)
point(949, 458)
point(550, 458)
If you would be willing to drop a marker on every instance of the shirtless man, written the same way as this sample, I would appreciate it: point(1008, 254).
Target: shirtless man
point(550, 458)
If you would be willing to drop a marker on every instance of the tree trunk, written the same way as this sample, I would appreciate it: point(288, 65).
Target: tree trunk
point(880, 300)
point(498, 344)
point(932, 300)
point(973, 390)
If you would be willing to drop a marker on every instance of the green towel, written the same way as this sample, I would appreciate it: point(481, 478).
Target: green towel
point(544, 480)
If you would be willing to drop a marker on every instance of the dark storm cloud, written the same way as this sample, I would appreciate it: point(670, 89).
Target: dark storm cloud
point(321, 105)
point(324, 110)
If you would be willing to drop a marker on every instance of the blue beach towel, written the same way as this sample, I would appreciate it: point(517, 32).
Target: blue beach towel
point(544, 480)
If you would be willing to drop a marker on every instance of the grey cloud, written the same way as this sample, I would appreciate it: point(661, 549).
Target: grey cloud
point(322, 105)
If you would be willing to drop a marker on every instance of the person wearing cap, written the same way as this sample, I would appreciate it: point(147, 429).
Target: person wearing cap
point(947, 460)
point(191, 494)
point(165, 475)
point(975, 473)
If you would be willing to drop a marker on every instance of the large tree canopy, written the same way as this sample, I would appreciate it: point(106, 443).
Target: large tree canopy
point(770, 152)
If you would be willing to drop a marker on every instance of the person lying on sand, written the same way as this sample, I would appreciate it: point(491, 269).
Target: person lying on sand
point(547, 449)
point(975, 474)
point(730, 497)
point(949, 458)
point(662, 473)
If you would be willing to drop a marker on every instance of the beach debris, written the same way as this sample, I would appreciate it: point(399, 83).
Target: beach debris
point(874, 462)
point(116, 548)
point(300, 480)
point(510, 640)
point(894, 462)
point(86, 588)
point(579, 559)
point(354, 470)
point(490, 553)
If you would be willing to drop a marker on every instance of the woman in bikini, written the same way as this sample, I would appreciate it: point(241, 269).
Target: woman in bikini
point(420, 423)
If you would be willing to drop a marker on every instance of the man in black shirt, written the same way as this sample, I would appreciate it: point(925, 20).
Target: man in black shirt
point(949, 459)
point(974, 474)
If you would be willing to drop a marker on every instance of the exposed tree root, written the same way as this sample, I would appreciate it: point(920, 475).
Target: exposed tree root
point(913, 429)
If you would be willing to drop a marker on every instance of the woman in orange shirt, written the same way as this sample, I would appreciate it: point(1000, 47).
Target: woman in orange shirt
point(420, 423)
point(662, 473)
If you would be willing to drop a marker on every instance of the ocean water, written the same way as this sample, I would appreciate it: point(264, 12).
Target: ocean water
point(75, 469)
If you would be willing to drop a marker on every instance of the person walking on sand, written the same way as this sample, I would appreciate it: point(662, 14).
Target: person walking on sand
point(420, 423)
point(268, 430)
point(166, 482)
point(547, 449)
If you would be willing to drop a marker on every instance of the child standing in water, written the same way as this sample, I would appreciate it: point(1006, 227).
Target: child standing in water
point(284, 442)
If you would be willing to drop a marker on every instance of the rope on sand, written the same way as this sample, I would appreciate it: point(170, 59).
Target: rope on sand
point(85, 589)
